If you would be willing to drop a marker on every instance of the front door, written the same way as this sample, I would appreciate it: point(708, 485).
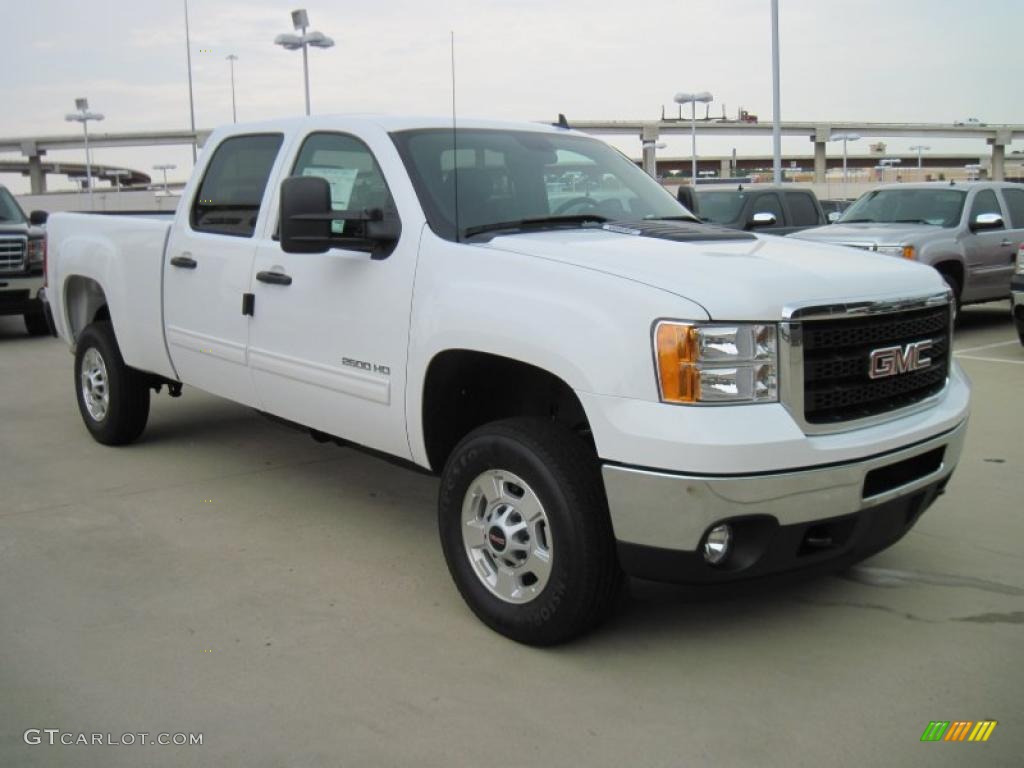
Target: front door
point(329, 333)
point(209, 266)
point(988, 268)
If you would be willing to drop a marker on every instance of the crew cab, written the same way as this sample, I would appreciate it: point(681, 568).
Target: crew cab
point(969, 232)
point(21, 263)
point(773, 209)
point(604, 384)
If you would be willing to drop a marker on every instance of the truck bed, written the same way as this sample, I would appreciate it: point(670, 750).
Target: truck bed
point(125, 254)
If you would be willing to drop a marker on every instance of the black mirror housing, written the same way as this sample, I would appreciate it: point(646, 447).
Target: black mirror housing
point(38, 218)
point(305, 214)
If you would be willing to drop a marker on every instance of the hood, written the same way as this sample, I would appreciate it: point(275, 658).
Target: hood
point(18, 228)
point(748, 279)
point(869, 233)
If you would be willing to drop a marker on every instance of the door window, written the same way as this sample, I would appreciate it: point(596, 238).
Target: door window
point(351, 171)
point(985, 202)
point(1014, 199)
point(230, 194)
point(801, 205)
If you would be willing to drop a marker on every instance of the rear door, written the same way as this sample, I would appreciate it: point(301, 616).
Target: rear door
point(802, 211)
point(209, 265)
point(990, 252)
point(330, 331)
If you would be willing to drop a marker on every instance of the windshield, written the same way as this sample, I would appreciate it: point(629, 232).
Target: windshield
point(525, 176)
point(722, 207)
point(10, 211)
point(939, 207)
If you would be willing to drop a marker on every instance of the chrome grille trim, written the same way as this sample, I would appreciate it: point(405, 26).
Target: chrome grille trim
point(12, 253)
point(791, 354)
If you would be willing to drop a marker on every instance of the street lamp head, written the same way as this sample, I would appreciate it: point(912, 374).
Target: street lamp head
point(686, 98)
point(318, 40)
point(300, 19)
point(844, 137)
point(288, 41)
point(231, 57)
point(164, 167)
point(919, 148)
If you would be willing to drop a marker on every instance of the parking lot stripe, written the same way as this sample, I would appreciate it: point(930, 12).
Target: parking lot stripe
point(985, 346)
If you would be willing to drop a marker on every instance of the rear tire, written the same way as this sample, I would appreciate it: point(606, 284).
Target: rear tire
point(35, 324)
point(112, 398)
point(526, 533)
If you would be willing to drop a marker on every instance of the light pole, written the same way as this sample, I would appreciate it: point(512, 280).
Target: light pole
point(692, 98)
point(844, 137)
point(290, 42)
point(165, 167)
point(191, 102)
point(919, 148)
point(776, 99)
point(83, 116)
point(231, 60)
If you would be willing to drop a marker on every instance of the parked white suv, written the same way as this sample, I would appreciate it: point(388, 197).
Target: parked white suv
point(603, 383)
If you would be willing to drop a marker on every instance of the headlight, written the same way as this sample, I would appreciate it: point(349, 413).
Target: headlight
point(35, 252)
point(716, 363)
point(906, 251)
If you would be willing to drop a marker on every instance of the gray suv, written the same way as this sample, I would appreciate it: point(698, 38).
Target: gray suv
point(970, 232)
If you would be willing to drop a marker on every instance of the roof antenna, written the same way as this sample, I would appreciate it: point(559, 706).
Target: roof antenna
point(562, 122)
point(455, 149)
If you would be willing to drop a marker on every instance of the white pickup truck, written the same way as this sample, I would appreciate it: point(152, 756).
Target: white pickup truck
point(604, 384)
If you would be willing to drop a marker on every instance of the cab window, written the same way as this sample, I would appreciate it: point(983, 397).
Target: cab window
point(769, 204)
point(985, 202)
point(229, 197)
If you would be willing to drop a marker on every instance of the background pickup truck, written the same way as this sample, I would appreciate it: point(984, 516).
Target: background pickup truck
point(21, 263)
point(604, 384)
point(776, 210)
point(969, 232)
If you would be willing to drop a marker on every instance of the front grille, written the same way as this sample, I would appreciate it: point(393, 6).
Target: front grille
point(12, 254)
point(836, 355)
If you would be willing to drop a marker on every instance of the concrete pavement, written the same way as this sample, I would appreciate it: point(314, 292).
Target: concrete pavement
point(289, 601)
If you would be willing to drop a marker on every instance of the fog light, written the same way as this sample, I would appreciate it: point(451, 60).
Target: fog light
point(717, 544)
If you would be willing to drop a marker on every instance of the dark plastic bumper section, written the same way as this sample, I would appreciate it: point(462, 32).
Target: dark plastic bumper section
point(762, 547)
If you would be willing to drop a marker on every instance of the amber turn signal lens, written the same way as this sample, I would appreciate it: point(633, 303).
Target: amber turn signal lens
point(908, 252)
point(677, 351)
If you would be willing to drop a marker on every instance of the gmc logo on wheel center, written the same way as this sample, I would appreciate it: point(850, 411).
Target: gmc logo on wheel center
point(889, 361)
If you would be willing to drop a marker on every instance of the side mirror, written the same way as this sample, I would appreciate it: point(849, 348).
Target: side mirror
point(38, 218)
point(986, 221)
point(306, 218)
point(762, 219)
point(834, 216)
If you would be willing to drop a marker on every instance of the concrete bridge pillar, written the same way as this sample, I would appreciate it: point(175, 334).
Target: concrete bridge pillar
point(648, 140)
point(998, 168)
point(36, 177)
point(820, 162)
point(726, 170)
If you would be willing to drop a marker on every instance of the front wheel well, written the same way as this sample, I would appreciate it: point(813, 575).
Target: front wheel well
point(952, 268)
point(465, 389)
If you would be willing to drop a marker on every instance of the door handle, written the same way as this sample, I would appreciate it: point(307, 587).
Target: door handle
point(274, 278)
point(185, 261)
point(1005, 242)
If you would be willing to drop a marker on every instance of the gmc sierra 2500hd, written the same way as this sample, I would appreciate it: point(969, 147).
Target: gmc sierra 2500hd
point(604, 384)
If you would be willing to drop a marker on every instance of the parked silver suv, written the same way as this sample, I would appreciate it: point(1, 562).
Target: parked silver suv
point(970, 232)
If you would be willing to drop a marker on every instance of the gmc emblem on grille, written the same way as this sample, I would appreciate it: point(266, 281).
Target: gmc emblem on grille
point(889, 361)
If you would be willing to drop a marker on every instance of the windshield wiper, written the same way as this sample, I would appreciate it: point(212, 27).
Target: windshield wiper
point(674, 218)
point(857, 221)
point(537, 223)
point(914, 221)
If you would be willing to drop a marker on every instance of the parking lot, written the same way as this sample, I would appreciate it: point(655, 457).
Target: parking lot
point(289, 601)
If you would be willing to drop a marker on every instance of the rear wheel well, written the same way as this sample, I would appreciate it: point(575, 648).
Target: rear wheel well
point(85, 302)
point(466, 389)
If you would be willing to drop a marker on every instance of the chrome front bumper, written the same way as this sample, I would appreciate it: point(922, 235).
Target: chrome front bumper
point(674, 511)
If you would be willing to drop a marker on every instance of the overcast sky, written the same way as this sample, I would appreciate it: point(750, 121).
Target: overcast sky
point(877, 60)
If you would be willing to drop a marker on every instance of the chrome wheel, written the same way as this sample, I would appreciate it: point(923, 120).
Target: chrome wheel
point(507, 537)
point(95, 391)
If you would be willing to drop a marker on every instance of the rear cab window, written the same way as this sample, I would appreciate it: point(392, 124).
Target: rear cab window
point(230, 194)
point(803, 212)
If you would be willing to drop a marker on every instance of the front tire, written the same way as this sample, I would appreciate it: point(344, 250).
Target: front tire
point(112, 398)
point(526, 533)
